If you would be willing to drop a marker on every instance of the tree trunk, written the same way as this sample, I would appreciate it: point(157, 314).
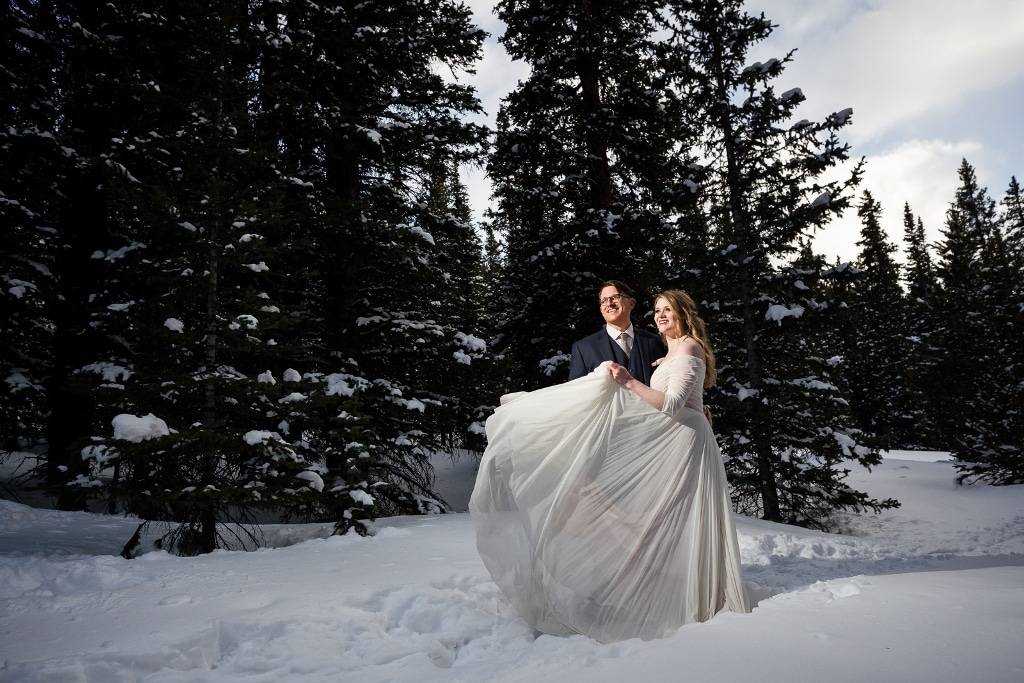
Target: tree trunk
point(743, 239)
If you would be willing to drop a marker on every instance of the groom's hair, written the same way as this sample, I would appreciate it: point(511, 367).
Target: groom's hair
point(621, 286)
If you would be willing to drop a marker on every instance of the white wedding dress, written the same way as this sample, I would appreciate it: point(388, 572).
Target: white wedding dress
point(597, 514)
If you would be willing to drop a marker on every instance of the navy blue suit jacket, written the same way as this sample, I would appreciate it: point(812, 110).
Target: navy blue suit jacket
point(591, 351)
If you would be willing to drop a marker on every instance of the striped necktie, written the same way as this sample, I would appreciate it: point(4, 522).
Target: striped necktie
point(623, 340)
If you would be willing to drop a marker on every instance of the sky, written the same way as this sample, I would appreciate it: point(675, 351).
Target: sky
point(930, 82)
point(930, 592)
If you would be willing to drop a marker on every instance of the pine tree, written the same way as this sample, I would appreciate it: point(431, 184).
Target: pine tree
point(30, 159)
point(491, 298)
point(954, 379)
point(262, 271)
point(1012, 220)
point(919, 273)
point(783, 422)
point(921, 300)
point(976, 399)
point(468, 389)
point(588, 162)
point(186, 300)
point(1009, 462)
point(877, 346)
point(61, 68)
point(986, 441)
point(387, 121)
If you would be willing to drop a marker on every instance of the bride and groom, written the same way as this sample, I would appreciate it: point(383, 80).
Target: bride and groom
point(601, 505)
point(619, 340)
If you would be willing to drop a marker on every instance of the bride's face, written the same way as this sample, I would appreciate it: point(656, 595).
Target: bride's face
point(665, 318)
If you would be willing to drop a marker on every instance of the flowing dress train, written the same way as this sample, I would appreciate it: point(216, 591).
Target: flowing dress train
point(598, 514)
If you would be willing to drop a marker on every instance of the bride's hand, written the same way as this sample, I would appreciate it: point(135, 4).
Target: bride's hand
point(619, 373)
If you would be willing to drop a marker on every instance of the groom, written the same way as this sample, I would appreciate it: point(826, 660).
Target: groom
point(618, 340)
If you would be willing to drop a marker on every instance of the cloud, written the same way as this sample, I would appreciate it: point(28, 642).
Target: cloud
point(922, 173)
point(896, 62)
point(931, 82)
point(496, 76)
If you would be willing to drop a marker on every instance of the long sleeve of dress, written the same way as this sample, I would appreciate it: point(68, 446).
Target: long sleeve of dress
point(685, 384)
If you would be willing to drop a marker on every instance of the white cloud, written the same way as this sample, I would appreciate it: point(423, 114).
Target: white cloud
point(922, 173)
point(931, 82)
point(896, 62)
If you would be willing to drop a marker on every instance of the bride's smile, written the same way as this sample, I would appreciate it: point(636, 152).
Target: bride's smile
point(665, 318)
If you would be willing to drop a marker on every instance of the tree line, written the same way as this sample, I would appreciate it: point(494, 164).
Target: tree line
point(242, 223)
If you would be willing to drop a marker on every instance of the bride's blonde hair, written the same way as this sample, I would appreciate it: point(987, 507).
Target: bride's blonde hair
point(688, 323)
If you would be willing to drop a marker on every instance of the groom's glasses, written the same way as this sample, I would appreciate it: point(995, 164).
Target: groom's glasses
point(613, 299)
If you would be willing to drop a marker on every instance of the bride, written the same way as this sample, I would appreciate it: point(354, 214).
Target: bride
point(601, 505)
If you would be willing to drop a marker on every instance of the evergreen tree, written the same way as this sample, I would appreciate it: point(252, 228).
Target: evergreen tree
point(877, 347)
point(1013, 221)
point(494, 279)
point(954, 377)
point(921, 300)
point(468, 389)
point(783, 422)
point(1008, 463)
point(187, 300)
point(985, 433)
point(974, 385)
point(30, 158)
point(61, 66)
point(252, 258)
point(384, 121)
point(822, 296)
point(589, 159)
point(919, 273)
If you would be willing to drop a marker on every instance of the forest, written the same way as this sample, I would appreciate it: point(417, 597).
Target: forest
point(240, 275)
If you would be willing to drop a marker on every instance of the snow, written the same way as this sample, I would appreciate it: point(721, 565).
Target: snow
point(109, 371)
point(472, 343)
point(18, 380)
point(743, 393)
point(19, 287)
point(778, 312)
point(841, 117)
point(118, 307)
point(259, 436)
point(338, 385)
point(314, 479)
point(928, 592)
point(250, 322)
point(427, 237)
point(137, 429)
point(122, 170)
point(414, 404)
point(790, 94)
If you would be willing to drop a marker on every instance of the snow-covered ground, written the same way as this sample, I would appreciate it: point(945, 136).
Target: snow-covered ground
point(932, 591)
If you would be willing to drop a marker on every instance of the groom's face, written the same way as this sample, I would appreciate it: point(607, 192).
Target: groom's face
point(615, 307)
